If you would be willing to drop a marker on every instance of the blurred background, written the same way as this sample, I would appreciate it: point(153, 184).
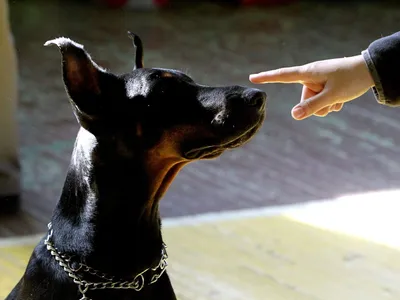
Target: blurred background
point(344, 250)
point(217, 43)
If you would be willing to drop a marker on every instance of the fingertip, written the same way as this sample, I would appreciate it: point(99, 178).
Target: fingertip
point(298, 113)
point(255, 78)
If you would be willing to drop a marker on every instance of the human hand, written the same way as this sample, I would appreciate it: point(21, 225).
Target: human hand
point(327, 84)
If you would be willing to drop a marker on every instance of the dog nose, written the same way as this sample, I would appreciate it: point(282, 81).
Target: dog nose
point(255, 97)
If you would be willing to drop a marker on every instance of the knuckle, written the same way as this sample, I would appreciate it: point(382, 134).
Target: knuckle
point(289, 72)
point(308, 68)
point(322, 112)
point(313, 106)
point(307, 107)
point(283, 71)
point(280, 72)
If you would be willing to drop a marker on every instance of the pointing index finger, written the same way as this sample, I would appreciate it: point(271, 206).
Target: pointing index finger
point(282, 75)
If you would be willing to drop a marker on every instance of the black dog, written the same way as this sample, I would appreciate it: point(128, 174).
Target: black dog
point(137, 131)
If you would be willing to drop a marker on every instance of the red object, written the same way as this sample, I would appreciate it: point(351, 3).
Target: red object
point(160, 2)
point(115, 3)
point(266, 2)
point(121, 3)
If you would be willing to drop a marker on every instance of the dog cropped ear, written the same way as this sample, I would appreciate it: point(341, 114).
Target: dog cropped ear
point(86, 83)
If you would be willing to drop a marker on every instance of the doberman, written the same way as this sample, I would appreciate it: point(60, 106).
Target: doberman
point(137, 131)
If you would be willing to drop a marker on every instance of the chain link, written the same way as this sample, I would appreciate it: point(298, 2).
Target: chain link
point(136, 284)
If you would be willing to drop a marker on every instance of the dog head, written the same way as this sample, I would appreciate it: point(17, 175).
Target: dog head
point(158, 110)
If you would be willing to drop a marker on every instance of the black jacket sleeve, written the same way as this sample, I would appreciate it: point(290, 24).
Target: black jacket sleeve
point(383, 60)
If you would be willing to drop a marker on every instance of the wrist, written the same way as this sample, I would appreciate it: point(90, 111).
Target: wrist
point(363, 72)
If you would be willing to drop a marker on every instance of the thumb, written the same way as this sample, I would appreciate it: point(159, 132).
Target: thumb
point(310, 106)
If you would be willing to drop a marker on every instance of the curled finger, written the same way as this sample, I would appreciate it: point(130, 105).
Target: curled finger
point(338, 106)
point(323, 112)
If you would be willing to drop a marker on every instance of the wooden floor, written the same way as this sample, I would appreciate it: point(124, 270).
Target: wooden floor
point(301, 253)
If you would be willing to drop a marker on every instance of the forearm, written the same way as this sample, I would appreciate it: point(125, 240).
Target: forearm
point(383, 60)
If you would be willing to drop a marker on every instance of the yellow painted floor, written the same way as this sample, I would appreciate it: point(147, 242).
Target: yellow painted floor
point(345, 249)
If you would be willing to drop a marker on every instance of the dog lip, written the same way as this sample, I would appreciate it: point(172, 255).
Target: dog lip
point(215, 150)
point(245, 136)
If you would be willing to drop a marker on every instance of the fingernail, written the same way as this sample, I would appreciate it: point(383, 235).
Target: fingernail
point(252, 76)
point(298, 112)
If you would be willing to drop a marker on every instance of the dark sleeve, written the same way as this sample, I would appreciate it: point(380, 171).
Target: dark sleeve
point(383, 60)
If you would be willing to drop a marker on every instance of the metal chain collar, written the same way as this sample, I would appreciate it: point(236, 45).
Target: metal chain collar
point(107, 281)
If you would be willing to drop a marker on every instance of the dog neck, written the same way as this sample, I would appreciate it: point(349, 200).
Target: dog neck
point(108, 213)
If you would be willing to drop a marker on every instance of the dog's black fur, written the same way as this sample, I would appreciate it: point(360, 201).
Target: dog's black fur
point(137, 131)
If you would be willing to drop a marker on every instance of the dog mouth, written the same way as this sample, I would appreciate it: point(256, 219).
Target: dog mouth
point(213, 151)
